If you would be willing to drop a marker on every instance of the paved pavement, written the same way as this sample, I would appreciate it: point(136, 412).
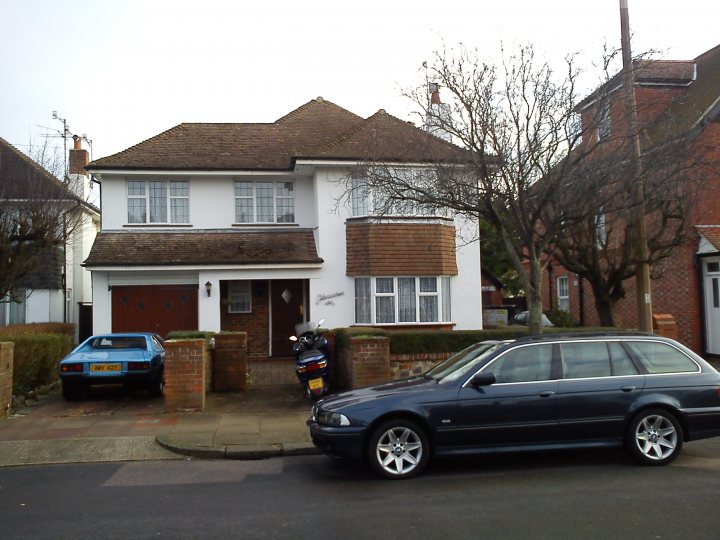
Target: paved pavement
point(109, 425)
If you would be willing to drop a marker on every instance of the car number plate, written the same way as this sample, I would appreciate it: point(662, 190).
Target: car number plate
point(314, 384)
point(104, 367)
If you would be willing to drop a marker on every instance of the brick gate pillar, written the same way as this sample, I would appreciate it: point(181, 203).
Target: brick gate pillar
point(230, 369)
point(185, 375)
point(369, 361)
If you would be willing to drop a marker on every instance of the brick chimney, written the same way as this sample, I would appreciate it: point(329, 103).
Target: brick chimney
point(78, 158)
point(438, 118)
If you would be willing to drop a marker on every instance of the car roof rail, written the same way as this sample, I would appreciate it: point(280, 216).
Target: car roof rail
point(571, 335)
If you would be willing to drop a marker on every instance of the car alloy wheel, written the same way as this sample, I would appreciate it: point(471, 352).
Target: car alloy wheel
point(399, 449)
point(655, 437)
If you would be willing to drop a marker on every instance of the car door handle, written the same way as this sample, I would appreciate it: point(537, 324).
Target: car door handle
point(628, 388)
point(546, 393)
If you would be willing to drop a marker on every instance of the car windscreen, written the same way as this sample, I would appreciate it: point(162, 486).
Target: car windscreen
point(112, 342)
point(463, 362)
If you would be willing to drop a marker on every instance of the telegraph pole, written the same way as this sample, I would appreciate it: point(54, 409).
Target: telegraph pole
point(642, 266)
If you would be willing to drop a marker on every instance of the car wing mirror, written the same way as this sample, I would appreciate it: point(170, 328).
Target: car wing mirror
point(482, 379)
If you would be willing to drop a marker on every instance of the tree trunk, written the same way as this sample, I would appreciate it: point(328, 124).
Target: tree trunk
point(605, 308)
point(534, 298)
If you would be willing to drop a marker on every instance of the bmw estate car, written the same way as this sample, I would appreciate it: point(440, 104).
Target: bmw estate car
point(132, 359)
point(646, 393)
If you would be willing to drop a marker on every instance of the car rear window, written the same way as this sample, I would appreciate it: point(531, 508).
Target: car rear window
point(126, 342)
point(661, 357)
point(583, 360)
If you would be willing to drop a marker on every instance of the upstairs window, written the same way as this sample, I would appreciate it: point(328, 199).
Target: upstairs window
point(158, 201)
point(604, 123)
point(264, 202)
point(367, 200)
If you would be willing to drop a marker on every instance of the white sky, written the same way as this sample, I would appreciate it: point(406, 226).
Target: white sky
point(125, 70)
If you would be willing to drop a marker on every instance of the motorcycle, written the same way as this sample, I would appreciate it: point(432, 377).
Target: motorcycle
point(311, 353)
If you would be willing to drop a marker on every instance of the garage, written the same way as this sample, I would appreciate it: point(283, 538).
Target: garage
point(154, 308)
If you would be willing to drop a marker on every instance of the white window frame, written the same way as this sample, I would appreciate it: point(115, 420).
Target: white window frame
point(442, 294)
point(168, 201)
point(242, 293)
point(563, 286)
point(276, 184)
point(364, 200)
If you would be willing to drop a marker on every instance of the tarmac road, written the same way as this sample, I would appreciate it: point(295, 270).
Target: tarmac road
point(540, 496)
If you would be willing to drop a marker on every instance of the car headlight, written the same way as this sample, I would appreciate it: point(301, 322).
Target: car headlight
point(332, 419)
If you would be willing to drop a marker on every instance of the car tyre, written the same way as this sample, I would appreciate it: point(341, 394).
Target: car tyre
point(156, 386)
point(72, 391)
point(654, 437)
point(398, 449)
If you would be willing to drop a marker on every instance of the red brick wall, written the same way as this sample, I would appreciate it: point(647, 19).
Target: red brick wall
point(364, 362)
point(185, 375)
point(6, 377)
point(403, 366)
point(256, 324)
point(230, 369)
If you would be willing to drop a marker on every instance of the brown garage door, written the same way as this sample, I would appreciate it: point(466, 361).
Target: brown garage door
point(154, 308)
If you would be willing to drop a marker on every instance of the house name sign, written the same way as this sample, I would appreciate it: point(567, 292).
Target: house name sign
point(327, 299)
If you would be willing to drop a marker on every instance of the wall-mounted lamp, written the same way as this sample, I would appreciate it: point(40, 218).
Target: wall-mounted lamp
point(208, 288)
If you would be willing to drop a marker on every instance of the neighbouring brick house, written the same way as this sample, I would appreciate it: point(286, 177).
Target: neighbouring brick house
point(250, 227)
point(676, 100)
point(59, 288)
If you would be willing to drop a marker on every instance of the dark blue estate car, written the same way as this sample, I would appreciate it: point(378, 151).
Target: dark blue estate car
point(129, 358)
point(642, 391)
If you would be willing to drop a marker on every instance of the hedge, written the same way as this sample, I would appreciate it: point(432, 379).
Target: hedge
point(35, 359)
point(67, 329)
point(449, 341)
point(191, 334)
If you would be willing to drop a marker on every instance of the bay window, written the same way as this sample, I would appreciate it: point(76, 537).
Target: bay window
point(402, 300)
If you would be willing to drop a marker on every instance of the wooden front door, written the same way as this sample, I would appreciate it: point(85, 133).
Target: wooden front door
point(287, 309)
point(154, 308)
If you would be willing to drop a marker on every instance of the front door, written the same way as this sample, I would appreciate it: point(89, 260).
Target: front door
point(711, 272)
point(287, 301)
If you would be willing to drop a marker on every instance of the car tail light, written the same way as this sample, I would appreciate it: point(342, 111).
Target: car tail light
point(138, 366)
point(70, 368)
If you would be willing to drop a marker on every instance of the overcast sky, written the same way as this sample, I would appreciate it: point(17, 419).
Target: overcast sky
point(122, 71)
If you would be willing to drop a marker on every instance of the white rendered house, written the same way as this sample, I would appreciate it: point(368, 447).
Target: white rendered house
point(249, 227)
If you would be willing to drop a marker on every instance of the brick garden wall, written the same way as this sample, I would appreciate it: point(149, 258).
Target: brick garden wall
point(6, 377)
point(185, 362)
point(403, 366)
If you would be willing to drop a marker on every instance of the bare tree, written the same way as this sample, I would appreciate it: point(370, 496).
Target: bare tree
point(517, 124)
point(38, 212)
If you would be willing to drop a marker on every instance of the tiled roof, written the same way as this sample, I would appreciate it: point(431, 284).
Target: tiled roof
point(317, 130)
point(699, 104)
point(23, 178)
point(203, 247)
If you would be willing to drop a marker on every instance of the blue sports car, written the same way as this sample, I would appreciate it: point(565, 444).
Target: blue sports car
point(130, 359)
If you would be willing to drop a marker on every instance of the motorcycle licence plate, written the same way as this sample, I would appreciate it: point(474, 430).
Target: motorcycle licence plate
point(314, 384)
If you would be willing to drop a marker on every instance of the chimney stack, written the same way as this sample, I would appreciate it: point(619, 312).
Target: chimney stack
point(78, 158)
